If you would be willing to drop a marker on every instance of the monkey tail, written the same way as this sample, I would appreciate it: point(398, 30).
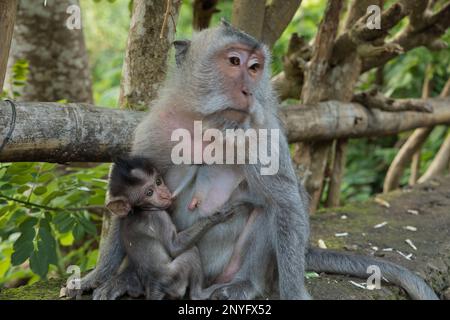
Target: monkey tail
point(320, 260)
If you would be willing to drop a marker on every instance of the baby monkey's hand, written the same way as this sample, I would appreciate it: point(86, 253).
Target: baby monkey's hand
point(223, 215)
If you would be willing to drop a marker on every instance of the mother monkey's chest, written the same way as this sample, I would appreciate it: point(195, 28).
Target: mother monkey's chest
point(213, 186)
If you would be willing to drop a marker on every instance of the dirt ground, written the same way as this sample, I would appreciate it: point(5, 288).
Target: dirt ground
point(380, 227)
point(384, 223)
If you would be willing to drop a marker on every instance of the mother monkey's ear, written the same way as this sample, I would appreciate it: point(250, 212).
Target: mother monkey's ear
point(181, 49)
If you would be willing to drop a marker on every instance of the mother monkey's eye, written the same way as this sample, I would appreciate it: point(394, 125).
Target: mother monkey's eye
point(254, 65)
point(235, 61)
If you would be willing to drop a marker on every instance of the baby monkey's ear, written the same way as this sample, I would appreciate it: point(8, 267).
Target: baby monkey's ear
point(118, 206)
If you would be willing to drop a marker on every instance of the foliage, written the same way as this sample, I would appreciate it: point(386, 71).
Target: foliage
point(18, 79)
point(105, 25)
point(44, 210)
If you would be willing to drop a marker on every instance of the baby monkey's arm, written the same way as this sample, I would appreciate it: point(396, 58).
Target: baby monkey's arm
point(177, 243)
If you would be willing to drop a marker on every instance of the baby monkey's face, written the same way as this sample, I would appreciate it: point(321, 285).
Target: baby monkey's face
point(153, 194)
point(133, 185)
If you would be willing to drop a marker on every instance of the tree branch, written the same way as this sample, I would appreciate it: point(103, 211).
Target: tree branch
point(64, 133)
point(333, 120)
point(415, 35)
point(278, 15)
point(375, 100)
point(289, 82)
point(359, 37)
point(323, 47)
point(441, 160)
point(8, 10)
point(79, 132)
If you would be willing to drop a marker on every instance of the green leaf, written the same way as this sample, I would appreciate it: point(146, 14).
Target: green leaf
point(40, 190)
point(311, 275)
point(39, 263)
point(23, 188)
point(47, 243)
point(21, 179)
point(19, 168)
point(6, 187)
point(46, 177)
point(47, 166)
point(78, 232)
point(23, 246)
point(4, 210)
point(20, 256)
point(28, 224)
point(51, 196)
point(88, 226)
point(64, 222)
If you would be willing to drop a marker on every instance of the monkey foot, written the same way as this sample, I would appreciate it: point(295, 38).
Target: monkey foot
point(238, 291)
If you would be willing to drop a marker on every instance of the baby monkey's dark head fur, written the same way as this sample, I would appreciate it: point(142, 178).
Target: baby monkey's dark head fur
point(135, 183)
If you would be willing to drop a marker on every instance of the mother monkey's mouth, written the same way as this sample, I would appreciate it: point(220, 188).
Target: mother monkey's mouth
point(235, 114)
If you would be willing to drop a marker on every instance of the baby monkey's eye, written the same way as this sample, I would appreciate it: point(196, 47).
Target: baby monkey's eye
point(158, 181)
point(235, 61)
point(149, 192)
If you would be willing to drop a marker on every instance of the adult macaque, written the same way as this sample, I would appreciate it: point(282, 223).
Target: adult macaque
point(222, 78)
point(165, 262)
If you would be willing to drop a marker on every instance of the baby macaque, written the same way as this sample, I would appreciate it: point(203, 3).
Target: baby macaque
point(166, 261)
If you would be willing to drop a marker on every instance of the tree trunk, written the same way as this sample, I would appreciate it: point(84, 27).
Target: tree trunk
point(439, 163)
point(8, 9)
point(203, 11)
point(338, 167)
point(426, 93)
point(146, 57)
point(442, 158)
point(410, 151)
point(312, 157)
point(248, 15)
point(152, 31)
point(407, 151)
point(265, 22)
point(58, 62)
point(278, 15)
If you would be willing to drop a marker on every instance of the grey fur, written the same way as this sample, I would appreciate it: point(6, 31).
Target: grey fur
point(281, 230)
point(160, 261)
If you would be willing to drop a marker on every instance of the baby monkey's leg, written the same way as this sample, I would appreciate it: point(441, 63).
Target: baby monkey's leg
point(196, 277)
point(181, 273)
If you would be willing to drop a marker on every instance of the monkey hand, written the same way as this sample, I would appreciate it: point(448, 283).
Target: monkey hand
point(223, 215)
